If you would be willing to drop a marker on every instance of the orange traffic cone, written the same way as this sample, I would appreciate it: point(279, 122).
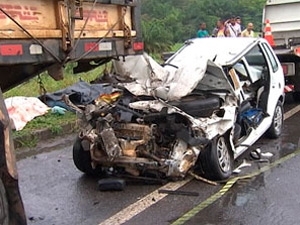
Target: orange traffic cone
point(268, 33)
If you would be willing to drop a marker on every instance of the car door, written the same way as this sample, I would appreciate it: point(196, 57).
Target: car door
point(276, 91)
point(255, 77)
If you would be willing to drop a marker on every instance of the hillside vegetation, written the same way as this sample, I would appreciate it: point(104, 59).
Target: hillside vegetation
point(166, 22)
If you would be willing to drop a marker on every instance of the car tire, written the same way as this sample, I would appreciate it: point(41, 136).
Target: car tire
point(82, 160)
point(217, 160)
point(4, 216)
point(276, 127)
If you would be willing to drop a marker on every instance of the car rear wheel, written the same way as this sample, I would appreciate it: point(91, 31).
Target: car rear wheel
point(4, 217)
point(82, 160)
point(216, 160)
point(276, 127)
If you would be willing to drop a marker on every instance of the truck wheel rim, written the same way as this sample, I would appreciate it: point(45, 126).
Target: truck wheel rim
point(223, 155)
point(278, 120)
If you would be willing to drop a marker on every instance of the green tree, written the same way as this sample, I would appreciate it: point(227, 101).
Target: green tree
point(166, 22)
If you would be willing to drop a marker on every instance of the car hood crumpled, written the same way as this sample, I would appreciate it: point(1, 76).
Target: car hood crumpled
point(169, 82)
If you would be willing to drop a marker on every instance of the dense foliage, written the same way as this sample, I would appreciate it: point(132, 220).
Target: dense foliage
point(166, 22)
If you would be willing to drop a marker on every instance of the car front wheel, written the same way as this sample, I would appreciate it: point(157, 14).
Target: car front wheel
point(4, 218)
point(216, 160)
point(82, 160)
point(276, 127)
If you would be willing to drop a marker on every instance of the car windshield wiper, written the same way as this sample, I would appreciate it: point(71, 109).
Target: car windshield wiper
point(188, 42)
point(169, 64)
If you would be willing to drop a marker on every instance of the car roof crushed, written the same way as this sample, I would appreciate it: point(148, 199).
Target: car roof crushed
point(198, 64)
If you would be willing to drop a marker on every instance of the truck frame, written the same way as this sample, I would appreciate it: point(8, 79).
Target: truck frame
point(284, 19)
point(39, 35)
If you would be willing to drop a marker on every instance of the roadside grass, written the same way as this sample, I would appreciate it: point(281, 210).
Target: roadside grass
point(176, 47)
point(51, 121)
point(31, 87)
point(158, 56)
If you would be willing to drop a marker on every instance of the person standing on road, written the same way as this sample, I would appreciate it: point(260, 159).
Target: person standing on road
point(221, 30)
point(233, 27)
point(202, 32)
point(238, 20)
point(214, 32)
point(248, 32)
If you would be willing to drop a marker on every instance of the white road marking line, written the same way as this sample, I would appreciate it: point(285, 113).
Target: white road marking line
point(291, 112)
point(134, 209)
point(144, 203)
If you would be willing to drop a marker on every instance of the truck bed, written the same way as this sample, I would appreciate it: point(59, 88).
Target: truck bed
point(39, 35)
point(284, 18)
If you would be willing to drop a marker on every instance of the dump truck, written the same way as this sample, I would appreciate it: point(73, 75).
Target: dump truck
point(284, 19)
point(45, 35)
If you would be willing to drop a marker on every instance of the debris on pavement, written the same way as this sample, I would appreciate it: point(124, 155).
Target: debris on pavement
point(243, 165)
point(111, 184)
point(197, 177)
point(267, 154)
point(256, 154)
point(176, 192)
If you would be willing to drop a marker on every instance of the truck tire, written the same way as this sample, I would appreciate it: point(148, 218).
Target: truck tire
point(82, 160)
point(276, 127)
point(4, 216)
point(217, 160)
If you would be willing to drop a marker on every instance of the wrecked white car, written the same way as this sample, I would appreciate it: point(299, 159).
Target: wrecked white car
point(199, 111)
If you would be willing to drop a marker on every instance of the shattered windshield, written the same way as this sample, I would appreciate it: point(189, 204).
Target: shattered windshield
point(213, 77)
point(194, 66)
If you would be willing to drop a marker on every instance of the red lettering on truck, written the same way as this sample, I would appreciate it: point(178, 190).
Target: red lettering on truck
point(19, 11)
point(100, 16)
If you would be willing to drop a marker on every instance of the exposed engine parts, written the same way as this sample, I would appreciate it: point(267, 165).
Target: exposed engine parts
point(117, 135)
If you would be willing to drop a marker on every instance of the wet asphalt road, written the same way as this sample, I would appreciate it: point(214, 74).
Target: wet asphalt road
point(54, 192)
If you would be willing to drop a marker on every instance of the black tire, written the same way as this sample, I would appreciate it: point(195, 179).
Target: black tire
point(217, 160)
point(276, 127)
point(82, 160)
point(4, 216)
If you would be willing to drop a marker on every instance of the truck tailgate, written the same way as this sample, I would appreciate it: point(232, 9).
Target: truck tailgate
point(49, 18)
point(39, 35)
point(284, 18)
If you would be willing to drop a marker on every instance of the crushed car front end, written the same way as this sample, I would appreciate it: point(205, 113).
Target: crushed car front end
point(170, 119)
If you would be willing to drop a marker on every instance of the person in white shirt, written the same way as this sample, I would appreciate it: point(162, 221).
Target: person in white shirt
point(238, 20)
point(234, 28)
